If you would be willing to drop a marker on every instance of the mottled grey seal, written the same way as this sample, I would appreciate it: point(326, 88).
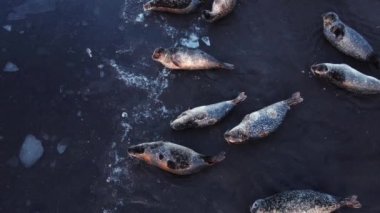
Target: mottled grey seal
point(205, 115)
point(348, 40)
point(220, 8)
point(303, 201)
point(172, 6)
point(173, 158)
point(261, 123)
point(182, 58)
point(347, 78)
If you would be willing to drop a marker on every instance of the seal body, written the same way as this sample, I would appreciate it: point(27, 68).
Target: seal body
point(347, 40)
point(303, 201)
point(261, 123)
point(220, 8)
point(173, 158)
point(182, 58)
point(347, 78)
point(205, 115)
point(172, 6)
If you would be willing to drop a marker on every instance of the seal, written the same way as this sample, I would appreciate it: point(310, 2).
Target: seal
point(348, 40)
point(173, 158)
point(172, 6)
point(347, 78)
point(303, 201)
point(261, 123)
point(206, 115)
point(182, 58)
point(220, 8)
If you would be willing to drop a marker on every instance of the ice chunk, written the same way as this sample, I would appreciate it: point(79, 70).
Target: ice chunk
point(206, 40)
point(31, 151)
point(31, 7)
point(89, 52)
point(7, 28)
point(191, 42)
point(10, 67)
point(61, 147)
point(140, 17)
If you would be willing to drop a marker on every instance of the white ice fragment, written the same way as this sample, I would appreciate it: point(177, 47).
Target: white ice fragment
point(7, 28)
point(140, 17)
point(102, 74)
point(31, 151)
point(10, 67)
point(191, 42)
point(124, 115)
point(61, 147)
point(206, 40)
point(101, 66)
point(89, 52)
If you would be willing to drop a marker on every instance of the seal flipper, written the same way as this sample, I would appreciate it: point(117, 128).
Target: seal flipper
point(240, 98)
point(295, 99)
point(211, 160)
point(338, 31)
point(375, 59)
point(227, 66)
point(351, 202)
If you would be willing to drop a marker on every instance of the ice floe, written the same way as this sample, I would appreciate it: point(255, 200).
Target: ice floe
point(31, 151)
point(7, 28)
point(192, 41)
point(140, 17)
point(61, 147)
point(10, 67)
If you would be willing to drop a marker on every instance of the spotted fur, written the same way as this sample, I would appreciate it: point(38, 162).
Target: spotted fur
point(206, 115)
point(261, 123)
point(302, 201)
point(220, 9)
point(172, 6)
point(182, 58)
point(347, 78)
point(346, 39)
point(173, 158)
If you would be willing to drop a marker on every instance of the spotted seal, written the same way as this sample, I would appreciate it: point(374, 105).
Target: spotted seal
point(206, 115)
point(261, 123)
point(173, 158)
point(347, 78)
point(183, 58)
point(348, 40)
point(220, 8)
point(303, 201)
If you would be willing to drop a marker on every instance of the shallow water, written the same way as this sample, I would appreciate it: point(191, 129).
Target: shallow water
point(98, 106)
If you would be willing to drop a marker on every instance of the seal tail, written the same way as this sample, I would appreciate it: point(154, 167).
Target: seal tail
point(207, 16)
point(351, 202)
point(211, 160)
point(295, 99)
point(227, 66)
point(375, 59)
point(241, 97)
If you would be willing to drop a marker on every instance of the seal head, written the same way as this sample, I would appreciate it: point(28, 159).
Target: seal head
point(256, 206)
point(236, 135)
point(330, 18)
point(325, 71)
